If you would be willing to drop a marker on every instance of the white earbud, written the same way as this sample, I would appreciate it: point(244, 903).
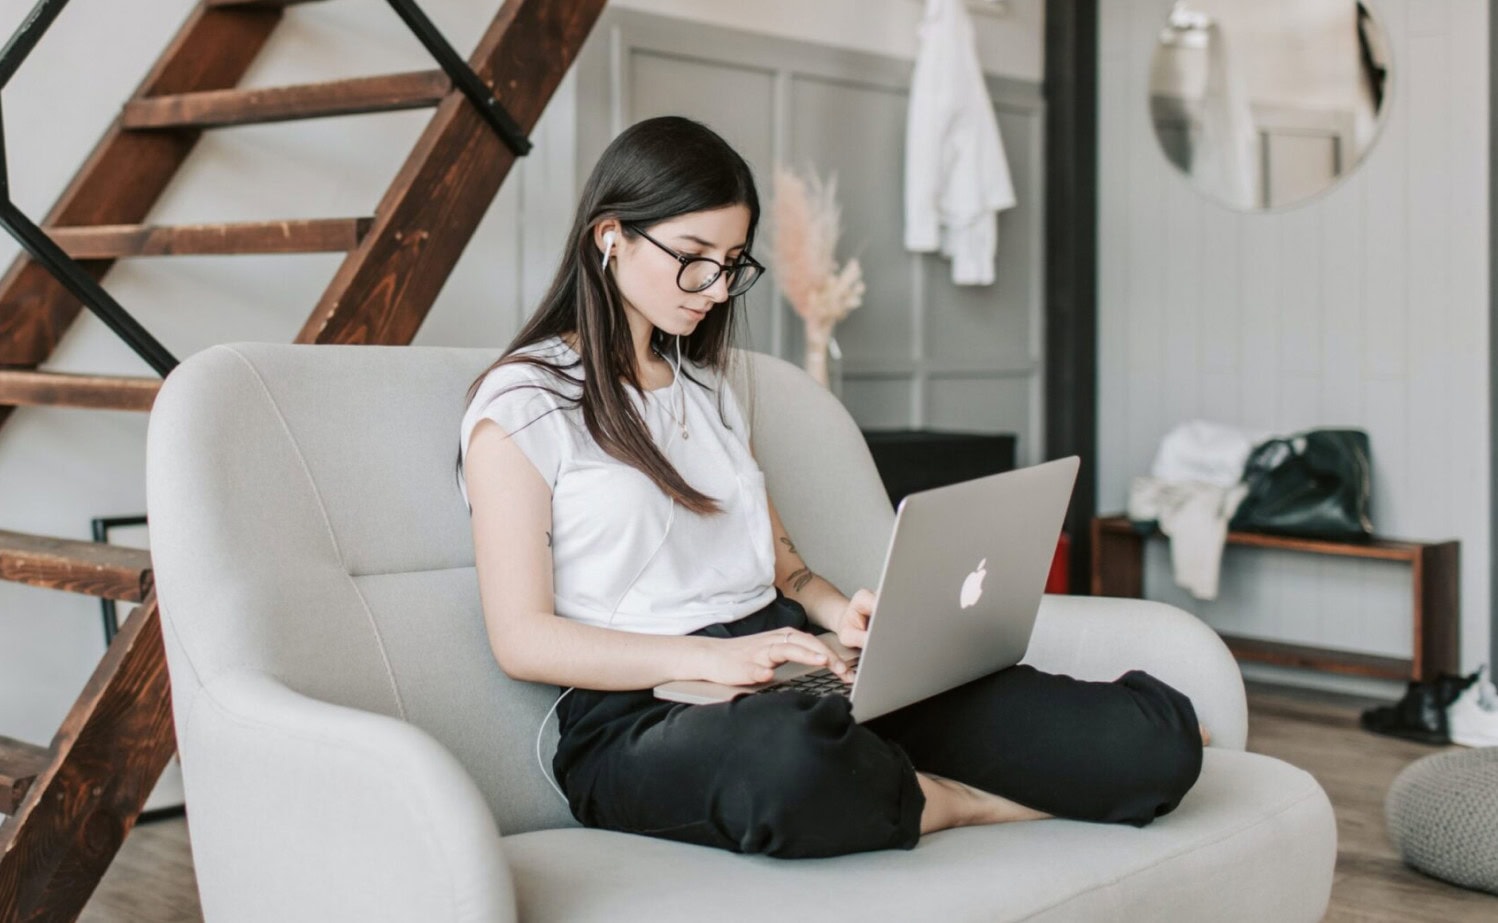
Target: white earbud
point(608, 247)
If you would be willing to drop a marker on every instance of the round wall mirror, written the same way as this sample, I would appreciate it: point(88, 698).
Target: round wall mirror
point(1265, 103)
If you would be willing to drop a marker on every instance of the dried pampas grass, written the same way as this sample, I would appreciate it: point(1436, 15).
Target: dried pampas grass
point(806, 225)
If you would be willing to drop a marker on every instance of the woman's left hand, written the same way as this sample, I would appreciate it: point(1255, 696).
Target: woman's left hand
point(852, 626)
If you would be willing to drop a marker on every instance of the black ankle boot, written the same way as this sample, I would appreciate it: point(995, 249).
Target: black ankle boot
point(1421, 715)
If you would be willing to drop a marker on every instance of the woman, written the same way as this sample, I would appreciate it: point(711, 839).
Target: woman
point(624, 538)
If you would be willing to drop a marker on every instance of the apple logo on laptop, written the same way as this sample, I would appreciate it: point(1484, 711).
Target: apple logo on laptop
point(972, 587)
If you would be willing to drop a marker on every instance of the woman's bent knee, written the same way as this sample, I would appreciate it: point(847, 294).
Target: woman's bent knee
point(809, 782)
point(1168, 754)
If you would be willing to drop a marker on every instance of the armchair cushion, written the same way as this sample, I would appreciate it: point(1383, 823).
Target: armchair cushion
point(1249, 843)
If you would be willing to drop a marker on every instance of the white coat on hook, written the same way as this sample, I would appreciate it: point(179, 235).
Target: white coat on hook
point(956, 177)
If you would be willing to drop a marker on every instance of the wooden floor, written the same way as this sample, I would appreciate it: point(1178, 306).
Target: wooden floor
point(152, 879)
point(1319, 733)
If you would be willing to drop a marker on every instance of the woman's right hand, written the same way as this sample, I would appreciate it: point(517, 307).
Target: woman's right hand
point(753, 658)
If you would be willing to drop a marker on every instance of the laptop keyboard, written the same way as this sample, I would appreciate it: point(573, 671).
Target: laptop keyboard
point(818, 683)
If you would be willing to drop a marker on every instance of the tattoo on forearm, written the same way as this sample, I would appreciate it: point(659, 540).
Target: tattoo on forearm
point(800, 577)
point(548, 539)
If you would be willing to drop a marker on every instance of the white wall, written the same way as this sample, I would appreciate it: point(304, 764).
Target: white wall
point(60, 468)
point(1367, 306)
point(1009, 44)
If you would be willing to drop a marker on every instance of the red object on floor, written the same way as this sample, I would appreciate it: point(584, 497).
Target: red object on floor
point(1060, 579)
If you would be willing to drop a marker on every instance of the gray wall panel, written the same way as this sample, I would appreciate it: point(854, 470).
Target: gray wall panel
point(984, 404)
point(858, 132)
point(976, 324)
point(880, 403)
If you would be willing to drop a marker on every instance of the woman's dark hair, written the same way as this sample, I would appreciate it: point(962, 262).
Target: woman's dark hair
point(654, 171)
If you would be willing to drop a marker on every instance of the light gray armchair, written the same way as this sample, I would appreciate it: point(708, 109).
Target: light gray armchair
point(352, 752)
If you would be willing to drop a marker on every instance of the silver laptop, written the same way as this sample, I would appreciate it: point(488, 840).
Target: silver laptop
point(962, 582)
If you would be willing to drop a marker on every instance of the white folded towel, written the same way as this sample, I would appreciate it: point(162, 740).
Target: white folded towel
point(1195, 516)
point(1195, 487)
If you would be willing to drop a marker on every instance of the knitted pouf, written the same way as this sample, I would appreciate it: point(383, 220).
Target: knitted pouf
point(1442, 814)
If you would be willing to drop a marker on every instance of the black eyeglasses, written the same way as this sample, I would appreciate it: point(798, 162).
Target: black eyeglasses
point(699, 273)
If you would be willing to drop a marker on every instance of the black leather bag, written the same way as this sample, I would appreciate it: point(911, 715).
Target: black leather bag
point(1315, 484)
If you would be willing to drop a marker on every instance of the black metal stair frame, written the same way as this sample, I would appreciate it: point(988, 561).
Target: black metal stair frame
point(463, 76)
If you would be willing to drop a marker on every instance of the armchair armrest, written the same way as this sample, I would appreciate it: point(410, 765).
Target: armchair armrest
point(1100, 638)
point(304, 810)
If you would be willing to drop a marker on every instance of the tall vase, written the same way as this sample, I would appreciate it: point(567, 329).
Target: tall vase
point(816, 363)
point(818, 340)
point(834, 368)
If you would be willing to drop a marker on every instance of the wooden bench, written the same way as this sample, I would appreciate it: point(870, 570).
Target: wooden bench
point(1118, 570)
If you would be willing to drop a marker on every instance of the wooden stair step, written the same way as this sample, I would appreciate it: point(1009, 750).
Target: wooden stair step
point(353, 96)
point(25, 387)
point(313, 235)
point(20, 763)
point(91, 568)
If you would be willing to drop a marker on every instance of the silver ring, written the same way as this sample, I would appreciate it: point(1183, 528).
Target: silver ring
point(786, 639)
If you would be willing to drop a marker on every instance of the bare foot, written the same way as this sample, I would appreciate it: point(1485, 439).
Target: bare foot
point(1206, 735)
point(950, 803)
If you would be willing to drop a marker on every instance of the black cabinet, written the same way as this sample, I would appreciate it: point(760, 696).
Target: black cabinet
point(914, 460)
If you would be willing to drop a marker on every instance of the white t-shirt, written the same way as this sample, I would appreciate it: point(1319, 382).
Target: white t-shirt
point(614, 561)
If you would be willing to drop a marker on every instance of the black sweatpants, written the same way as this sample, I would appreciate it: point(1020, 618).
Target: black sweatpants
point(792, 775)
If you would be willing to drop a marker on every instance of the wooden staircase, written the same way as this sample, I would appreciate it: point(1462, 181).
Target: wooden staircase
point(68, 805)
